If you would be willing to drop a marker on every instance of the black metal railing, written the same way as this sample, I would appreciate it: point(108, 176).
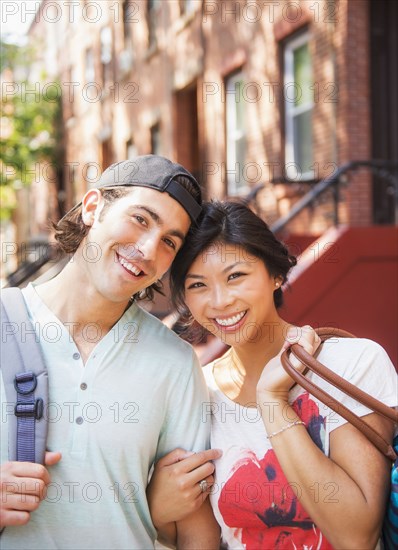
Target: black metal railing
point(382, 168)
point(41, 255)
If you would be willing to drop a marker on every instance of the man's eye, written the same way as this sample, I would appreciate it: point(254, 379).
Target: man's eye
point(140, 219)
point(170, 243)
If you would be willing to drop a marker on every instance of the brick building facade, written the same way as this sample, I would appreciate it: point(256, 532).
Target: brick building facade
point(240, 92)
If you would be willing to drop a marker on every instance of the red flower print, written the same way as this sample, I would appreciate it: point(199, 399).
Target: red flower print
point(258, 501)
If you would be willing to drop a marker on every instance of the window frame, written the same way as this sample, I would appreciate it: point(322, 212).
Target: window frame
point(156, 138)
point(153, 15)
point(106, 52)
point(187, 7)
point(233, 136)
point(291, 110)
point(89, 65)
point(127, 30)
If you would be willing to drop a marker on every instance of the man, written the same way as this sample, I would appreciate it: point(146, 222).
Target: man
point(124, 390)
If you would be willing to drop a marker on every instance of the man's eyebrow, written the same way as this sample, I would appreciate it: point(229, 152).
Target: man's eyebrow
point(157, 219)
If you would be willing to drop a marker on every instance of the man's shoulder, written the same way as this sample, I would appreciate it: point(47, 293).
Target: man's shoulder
point(151, 326)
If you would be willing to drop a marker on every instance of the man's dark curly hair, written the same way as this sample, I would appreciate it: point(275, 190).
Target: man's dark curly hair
point(70, 231)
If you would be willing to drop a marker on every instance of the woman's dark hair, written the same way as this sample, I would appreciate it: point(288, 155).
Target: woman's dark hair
point(229, 222)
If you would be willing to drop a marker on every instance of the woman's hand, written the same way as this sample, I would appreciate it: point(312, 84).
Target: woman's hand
point(274, 380)
point(174, 491)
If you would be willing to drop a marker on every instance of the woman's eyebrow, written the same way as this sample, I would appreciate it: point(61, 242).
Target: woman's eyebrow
point(194, 276)
point(228, 268)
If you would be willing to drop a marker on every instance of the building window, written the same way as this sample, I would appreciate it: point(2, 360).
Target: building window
point(128, 15)
point(106, 53)
point(299, 104)
point(131, 150)
point(236, 133)
point(187, 7)
point(156, 148)
point(153, 7)
point(89, 69)
point(68, 96)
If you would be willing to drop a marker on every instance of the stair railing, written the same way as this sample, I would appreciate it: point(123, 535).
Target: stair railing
point(382, 168)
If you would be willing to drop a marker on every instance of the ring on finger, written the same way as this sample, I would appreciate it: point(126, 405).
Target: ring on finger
point(203, 485)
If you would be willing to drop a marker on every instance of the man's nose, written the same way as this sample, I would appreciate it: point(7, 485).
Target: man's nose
point(148, 247)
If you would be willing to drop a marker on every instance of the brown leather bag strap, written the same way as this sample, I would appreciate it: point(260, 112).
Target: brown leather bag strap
point(315, 366)
point(342, 384)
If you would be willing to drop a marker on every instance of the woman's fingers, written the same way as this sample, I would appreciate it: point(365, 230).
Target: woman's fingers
point(199, 459)
point(306, 337)
point(205, 488)
point(173, 457)
point(202, 472)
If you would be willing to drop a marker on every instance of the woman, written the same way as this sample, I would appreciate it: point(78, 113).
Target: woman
point(293, 473)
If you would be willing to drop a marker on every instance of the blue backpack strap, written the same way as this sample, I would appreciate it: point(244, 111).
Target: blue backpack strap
point(390, 527)
point(25, 380)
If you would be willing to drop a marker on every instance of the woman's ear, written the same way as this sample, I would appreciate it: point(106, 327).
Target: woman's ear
point(92, 205)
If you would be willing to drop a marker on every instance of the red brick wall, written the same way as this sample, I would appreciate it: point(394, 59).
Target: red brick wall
point(353, 108)
point(204, 48)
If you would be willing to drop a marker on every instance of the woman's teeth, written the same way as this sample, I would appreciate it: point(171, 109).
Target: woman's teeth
point(230, 321)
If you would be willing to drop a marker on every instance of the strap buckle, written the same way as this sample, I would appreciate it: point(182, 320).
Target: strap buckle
point(25, 382)
point(31, 409)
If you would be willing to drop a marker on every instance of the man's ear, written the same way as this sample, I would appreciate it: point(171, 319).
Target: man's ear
point(92, 205)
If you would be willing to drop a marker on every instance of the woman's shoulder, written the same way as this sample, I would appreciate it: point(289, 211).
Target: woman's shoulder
point(362, 362)
point(344, 353)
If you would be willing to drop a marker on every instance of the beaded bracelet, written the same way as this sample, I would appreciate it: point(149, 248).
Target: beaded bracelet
point(290, 425)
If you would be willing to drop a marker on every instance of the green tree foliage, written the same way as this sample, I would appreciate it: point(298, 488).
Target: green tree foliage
point(30, 124)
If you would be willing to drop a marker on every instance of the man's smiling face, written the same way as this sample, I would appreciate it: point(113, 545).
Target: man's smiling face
point(132, 243)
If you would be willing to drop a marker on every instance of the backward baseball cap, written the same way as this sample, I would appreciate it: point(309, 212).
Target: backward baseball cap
point(158, 173)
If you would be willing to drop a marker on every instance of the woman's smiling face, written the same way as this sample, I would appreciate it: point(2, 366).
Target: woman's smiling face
point(230, 293)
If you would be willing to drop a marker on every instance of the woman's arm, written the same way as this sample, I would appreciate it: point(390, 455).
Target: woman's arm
point(174, 495)
point(345, 495)
point(199, 531)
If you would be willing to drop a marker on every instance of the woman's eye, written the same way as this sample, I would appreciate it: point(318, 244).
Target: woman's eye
point(235, 275)
point(195, 285)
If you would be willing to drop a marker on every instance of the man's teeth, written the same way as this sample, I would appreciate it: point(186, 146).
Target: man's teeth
point(231, 320)
point(134, 270)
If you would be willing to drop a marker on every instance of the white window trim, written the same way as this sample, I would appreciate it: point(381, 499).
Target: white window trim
point(89, 66)
point(290, 109)
point(232, 136)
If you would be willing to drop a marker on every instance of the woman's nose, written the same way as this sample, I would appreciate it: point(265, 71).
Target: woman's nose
point(221, 297)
